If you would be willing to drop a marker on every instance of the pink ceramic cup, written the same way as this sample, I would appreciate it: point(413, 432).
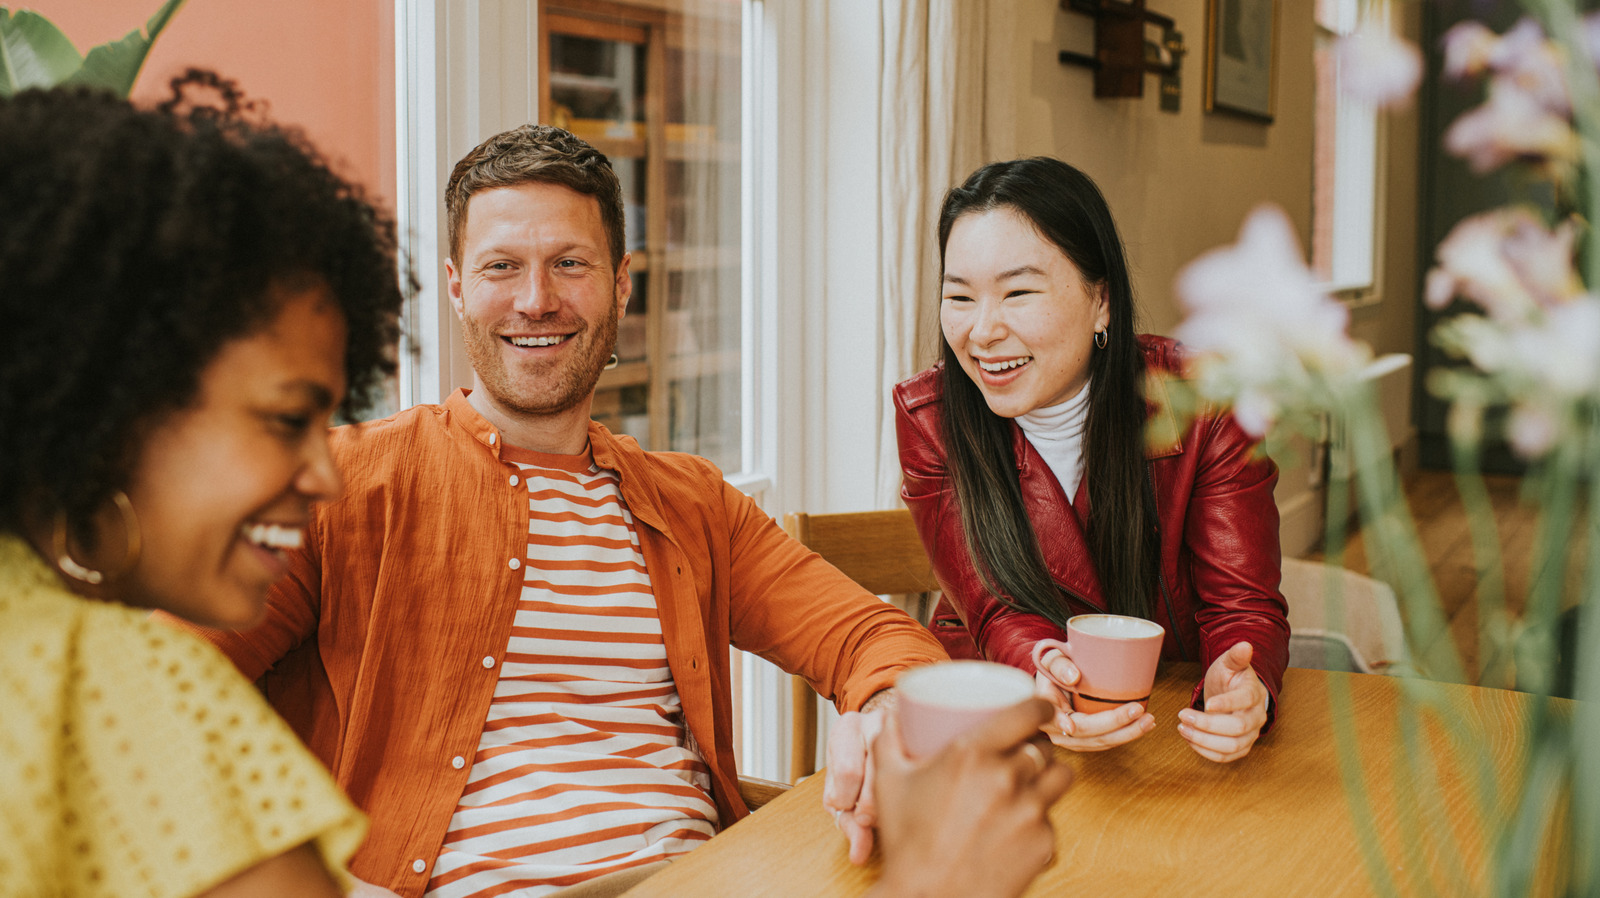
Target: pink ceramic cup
point(939, 702)
point(1116, 659)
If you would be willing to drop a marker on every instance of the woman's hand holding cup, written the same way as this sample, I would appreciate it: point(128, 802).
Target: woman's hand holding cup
point(1099, 680)
point(1074, 730)
point(972, 819)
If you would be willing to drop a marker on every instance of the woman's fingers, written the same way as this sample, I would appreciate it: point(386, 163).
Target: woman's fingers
point(1217, 746)
point(972, 819)
point(1046, 689)
point(1219, 724)
point(1216, 756)
point(860, 837)
point(1100, 723)
point(1102, 730)
point(1062, 672)
point(1053, 783)
point(1241, 699)
point(1011, 726)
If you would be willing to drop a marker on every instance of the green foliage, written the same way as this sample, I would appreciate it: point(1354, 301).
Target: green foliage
point(34, 53)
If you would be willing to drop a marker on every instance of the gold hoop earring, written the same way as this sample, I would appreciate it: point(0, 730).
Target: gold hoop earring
point(1100, 339)
point(614, 362)
point(70, 566)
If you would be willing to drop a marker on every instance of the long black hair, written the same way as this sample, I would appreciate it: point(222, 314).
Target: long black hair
point(1067, 209)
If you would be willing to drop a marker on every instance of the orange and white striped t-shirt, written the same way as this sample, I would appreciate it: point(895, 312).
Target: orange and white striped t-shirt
point(584, 766)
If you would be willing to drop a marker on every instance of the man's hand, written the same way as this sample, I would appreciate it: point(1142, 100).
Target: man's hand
point(1077, 731)
point(1235, 708)
point(848, 792)
point(971, 821)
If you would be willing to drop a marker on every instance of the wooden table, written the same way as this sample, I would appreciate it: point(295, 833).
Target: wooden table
point(1154, 818)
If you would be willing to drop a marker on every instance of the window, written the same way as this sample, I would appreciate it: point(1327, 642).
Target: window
point(1344, 188)
point(657, 89)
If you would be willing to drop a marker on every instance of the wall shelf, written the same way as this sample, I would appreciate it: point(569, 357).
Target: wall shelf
point(1123, 55)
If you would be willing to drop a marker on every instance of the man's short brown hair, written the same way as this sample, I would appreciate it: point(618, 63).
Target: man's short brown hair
point(532, 153)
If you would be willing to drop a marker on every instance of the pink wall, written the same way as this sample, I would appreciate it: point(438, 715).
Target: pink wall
point(326, 66)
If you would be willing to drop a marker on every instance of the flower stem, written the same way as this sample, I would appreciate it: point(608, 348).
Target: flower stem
point(1341, 703)
point(1586, 714)
point(1494, 668)
point(1393, 535)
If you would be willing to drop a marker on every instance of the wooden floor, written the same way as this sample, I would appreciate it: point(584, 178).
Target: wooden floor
point(1443, 528)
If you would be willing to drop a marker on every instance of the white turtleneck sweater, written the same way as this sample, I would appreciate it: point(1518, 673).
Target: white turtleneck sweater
point(1057, 433)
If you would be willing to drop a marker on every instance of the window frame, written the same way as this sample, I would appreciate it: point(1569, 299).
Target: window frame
point(1353, 227)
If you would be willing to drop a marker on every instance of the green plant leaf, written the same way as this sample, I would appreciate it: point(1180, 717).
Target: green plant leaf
point(33, 52)
point(115, 64)
point(163, 15)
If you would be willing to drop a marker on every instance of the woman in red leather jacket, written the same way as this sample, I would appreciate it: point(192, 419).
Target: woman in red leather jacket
point(1048, 478)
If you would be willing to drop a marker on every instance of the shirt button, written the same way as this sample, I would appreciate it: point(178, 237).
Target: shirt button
point(514, 563)
point(488, 662)
point(491, 442)
point(458, 762)
point(513, 480)
point(419, 865)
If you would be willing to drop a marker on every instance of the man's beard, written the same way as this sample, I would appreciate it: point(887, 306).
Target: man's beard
point(549, 389)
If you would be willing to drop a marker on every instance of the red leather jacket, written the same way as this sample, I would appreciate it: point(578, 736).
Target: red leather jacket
point(1220, 560)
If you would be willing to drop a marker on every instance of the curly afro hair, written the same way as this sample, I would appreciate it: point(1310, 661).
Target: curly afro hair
point(136, 243)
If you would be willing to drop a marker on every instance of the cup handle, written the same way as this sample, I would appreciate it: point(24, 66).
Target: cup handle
point(1046, 645)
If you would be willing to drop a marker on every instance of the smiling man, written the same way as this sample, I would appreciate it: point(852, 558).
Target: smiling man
point(509, 639)
point(539, 287)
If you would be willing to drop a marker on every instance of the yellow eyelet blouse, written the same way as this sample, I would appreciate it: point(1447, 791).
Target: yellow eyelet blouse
point(135, 760)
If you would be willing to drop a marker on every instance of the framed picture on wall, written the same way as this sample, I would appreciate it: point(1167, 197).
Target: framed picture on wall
point(1241, 56)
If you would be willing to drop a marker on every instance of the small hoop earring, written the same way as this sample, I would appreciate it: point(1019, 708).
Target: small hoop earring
point(1100, 339)
point(70, 566)
point(613, 363)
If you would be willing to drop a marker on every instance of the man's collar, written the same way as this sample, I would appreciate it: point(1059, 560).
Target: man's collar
point(626, 459)
point(622, 458)
point(468, 419)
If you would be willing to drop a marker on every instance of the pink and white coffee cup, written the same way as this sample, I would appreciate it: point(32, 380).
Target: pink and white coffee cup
point(1115, 655)
point(937, 703)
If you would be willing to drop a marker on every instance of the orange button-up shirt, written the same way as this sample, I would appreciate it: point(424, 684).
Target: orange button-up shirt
point(382, 647)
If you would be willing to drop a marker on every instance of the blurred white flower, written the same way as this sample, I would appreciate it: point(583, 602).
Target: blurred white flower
point(1255, 411)
point(1543, 259)
point(1589, 36)
point(1265, 335)
point(1525, 60)
point(1528, 111)
point(1512, 124)
point(1542, 365)
point(1481, 342)
point(1467, 48)
point(1506, 261)
point(1376, 67)
point(1533, 429)
point(1560, 354)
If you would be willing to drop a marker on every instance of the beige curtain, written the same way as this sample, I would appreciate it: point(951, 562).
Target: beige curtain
point(932, 128)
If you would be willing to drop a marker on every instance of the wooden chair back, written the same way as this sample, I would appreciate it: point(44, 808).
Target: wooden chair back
point(878, 549)
point(756, 791)
point(881, 551)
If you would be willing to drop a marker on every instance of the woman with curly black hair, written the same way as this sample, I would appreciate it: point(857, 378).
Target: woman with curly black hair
point(187, 295)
